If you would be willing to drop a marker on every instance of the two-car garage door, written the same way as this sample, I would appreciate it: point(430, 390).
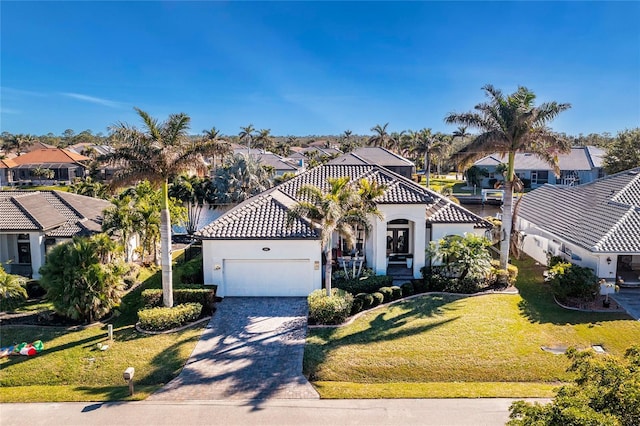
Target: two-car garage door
point(258, 277)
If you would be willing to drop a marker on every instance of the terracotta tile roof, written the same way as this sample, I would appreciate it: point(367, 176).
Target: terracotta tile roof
point(49, 155)
point(7, 163)
point(55, 213)
point(601, 216)
point(264, 216)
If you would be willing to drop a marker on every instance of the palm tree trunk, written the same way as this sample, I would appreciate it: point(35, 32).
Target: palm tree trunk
point(427, 166)
point(327, 268)
point(507, 219)
point(165, 248)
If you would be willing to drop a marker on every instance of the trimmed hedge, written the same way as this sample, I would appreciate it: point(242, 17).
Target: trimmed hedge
point(378, 298)
point(364, 284)
point(332, 309)
point(205, 297)
point(396, 292)
point(357, 305)
point(407, 289)
point(387, 293)
point(367, 300)
point(159, 319)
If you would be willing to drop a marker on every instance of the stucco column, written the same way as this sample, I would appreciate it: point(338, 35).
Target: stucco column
point(380, 247)
point(37, 253)
point(419, 245)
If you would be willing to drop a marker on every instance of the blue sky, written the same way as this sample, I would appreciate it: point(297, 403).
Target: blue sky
point(313, 67)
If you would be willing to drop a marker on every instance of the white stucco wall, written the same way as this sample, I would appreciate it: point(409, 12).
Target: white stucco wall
point(215, 252)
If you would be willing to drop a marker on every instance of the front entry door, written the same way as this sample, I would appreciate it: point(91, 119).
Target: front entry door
point(24, 253)
point(398, 240)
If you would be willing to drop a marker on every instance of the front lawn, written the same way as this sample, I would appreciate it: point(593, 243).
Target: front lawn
point(449, 346)
point(72, 368)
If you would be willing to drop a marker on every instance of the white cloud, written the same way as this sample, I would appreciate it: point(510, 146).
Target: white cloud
point(93, 100)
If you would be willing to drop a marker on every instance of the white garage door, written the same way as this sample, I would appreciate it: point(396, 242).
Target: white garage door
point(280, 277)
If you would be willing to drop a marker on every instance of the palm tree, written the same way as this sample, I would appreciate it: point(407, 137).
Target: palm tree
point(246, 133)
point(441, 149)
point(423, 145)
point(395, 140)
point(264, 140)
point(330, 212)
point(368, 190)
point(461, 133)
point(192, 191)
point(380, 137)
point(11, 288)
point(242, 178)
point(123, 220)
point(220, 146)
point(159, 152)
point(511, 124)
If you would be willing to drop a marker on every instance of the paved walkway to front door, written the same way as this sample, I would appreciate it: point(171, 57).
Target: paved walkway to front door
point(252, 349)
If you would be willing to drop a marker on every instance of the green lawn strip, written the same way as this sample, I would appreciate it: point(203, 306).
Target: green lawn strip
point(74, 393)
point(348, 390)
point(490, 338)
point(72, 361)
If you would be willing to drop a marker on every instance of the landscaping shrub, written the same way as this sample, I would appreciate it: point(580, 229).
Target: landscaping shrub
point(378, 298)
point(396, 292)
point(437, 282)
point(364, 284)
point(205, 297)
point(465, 286)
point(367, 300)
point(357, 305)
point(420, 286)
point(12, 290)
point(407, 289)
point(505, 277)
point(332, 309)
point(387, 293)
point(191, 271)
point(35, 290)
point(160, 318)
point(568, 280)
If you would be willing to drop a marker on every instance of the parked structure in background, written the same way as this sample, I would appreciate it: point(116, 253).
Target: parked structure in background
point(596, 225)
point(581, 165)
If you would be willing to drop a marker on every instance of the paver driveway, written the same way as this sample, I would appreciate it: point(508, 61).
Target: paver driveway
point(252, 349)
point(629, 299)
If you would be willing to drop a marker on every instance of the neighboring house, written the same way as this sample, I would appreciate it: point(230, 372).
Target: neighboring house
point(581, 165)
point(94, 151)
point(6, 174)
point(596, 225)
point(33, 221)
point(279, 164)
point(380, 156)
point(66, 165)
point(250, 250)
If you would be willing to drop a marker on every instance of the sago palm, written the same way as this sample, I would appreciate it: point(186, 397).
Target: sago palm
point(511, 124)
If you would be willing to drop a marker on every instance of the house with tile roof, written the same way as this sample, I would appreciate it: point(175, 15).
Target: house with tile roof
point(581, 165)
point(31, 222)
point(380, 156)
point(596, 225)
point(66, 165)
point(6, 175)
point(251, 251)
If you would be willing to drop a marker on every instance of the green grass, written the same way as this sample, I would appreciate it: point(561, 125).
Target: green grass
point(453, 344)
point(71, 368)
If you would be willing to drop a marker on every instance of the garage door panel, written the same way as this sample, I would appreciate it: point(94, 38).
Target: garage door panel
point(273, 277)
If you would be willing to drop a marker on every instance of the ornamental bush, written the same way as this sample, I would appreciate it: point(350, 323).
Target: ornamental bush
point(378, 298)
point(569, 280)
point(206, 297)
point(396, 292)
point(407, 289)
point(364, 284)
point(387, 293)
point(161, 318)
point(357, 305)
point(367, 300)
point(332, 309)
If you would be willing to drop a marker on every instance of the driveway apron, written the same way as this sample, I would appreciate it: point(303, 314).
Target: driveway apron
point(629, 299)
point(252, 349)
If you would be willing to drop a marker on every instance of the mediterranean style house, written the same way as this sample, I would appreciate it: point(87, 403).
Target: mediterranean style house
point(581, 165)
point(33, 221)
point(250, 250)
point(596, 225)
point(66, 165)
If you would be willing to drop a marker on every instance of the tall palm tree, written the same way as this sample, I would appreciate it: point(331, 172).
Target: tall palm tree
point(123, 220)
point(192, 191)
point(441, 149)
point(395, 140)
point(511, 124)
point(220, 146)
point(380, 136)
point(242, 178)
point(159, 152)
point(246, 134)
point(460, 133)
point(423, 145)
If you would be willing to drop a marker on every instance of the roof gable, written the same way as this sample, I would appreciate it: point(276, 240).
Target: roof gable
point(580, 158)
point(49, 155)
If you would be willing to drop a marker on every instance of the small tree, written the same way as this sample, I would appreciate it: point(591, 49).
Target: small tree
point(606, 391)
point(78, 284)
point(569, 280)
point(462, 256)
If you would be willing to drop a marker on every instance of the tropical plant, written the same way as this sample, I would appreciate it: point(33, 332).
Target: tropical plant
point(12, 290)
point(122, 220)
point(192, 191)
point(220, 147)
point(380, 137)
point(511, 124)
point(43, 173)
point(264, 140)
point(423, 143)
point(606, 391)
point(247, 134)
point(158, 153)
point(624, 152)
point(462, 256)
point(78, 284)
point(238, 180)
point(334, 211)
point(89, 188)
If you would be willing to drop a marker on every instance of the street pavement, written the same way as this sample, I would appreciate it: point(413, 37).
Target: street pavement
point(373, 412)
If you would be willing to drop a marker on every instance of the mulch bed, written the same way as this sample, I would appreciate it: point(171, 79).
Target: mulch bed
point(593, 305)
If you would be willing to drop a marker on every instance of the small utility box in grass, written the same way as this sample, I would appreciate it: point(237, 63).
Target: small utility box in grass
point(128, 377)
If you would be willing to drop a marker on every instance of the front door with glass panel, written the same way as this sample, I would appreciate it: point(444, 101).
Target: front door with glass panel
point(398, 240)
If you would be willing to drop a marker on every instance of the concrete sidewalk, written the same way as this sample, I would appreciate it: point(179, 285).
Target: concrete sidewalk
point(427, 412)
